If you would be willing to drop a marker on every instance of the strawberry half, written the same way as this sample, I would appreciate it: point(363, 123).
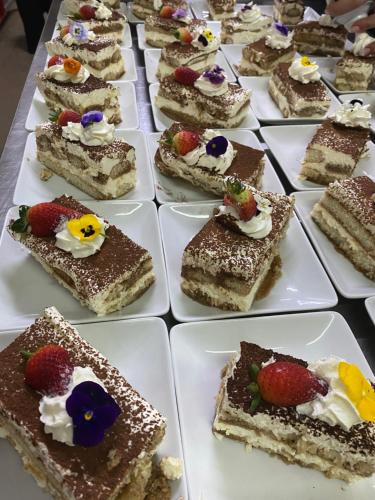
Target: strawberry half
point(185, 141)
point(87, 12)
point(68, 116)
point(186, 76)
point(166, 11)
point(52, 61)
point(184, 35)
point(248, 209)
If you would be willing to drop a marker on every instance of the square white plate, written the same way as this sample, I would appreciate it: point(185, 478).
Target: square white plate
point(348, 281)
point(39, 112)
point(152, 57)
point(172, 189)
point(222, 469)
point(303, 285)
point(162, 121)
point(214, 26)
point(134, 19)
point(297, 137)
point(367, 98)
point(265, 108)
point(370, 306)
point(30, 189)
point(140, 350)
point(25, 288)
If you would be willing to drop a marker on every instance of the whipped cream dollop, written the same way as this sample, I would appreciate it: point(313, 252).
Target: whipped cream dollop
point(58, 73)
point(304, 70)
point(353, 115)
point(97, 134)
point(158, 4)
point(361, 42)
point(70, 39)
point(80, 248)
point(278, 38)
point(211, 86)
point(102, 12)
point(53, 412)
point(327, 20)
point(171, 467)
point(205, 42)
point(252, 17)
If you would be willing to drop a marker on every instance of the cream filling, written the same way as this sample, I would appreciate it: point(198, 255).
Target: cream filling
point(246, 66)
point(156, 36)
point(54, 47)
point(164, 69)
point(218, 16)
point(245, 36)
point(327, 156)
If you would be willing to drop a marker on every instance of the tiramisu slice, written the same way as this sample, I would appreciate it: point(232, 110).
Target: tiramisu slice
point(73, 6)
point(221, 9)
point(288, 12)
point(66, 84)
point(319, 415)
point(337, 145)
point(205, 100)
point(346, 215)
point(354, 73)
point(205, 158)
point(298, 91)
point(86, 153)
point(261, 58)
point(100, 56)
point(145, 8)
point(237, 250)
point(102, 268)
point(80, 428)
point(313, 37)
point(247, 26)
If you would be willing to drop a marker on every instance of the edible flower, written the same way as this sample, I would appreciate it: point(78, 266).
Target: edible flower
point(215, 75)
point(206, 37)
point(93, 411)
point(247, 6)
point(91, 117)
point(306, 61)
point(358, 389)
point(86, 228)
point(281, 28)
point(71, 66)
point(78, 31)
point(179, 13)
point(217, 146)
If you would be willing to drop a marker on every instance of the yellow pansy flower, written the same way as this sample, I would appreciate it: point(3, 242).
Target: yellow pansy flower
point(86, 228)
point(306, 61)
point(209, 36)
point(358, 389)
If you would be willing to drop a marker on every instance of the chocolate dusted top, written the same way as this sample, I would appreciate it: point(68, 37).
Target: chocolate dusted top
point(350, 58)
point(235, 24)
point(313, 26)
point(91, 84)
point(156, 22)
point(87, 472)
point(115, 17)
point(177, 53)
point(265, 50)
point(361, 437)
point(95, 45)
point(312, 91)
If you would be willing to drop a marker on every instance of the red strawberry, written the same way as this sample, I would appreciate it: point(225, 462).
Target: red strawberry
point(288, 384)
point(227, 200)
point(185, 141)
point(87, 12)
point(186, 76)
point(248, 209)
point(68, 116)
point(49, 369)
point(166, 11)
point(52, 61)
point(184, 35)
point(64, 30)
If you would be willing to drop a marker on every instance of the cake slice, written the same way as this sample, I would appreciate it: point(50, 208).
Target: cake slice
point(337, 145)
point(354, 73)
point(311, 37)
point(221, 9)
point(346, 215)
point(80, 428)
point(66, 84)
point(235, 256)
point(205, 158)
point(298, 91)
point(288, 12)
point(145, 8)
point(205, 100)
point(247, 26)
point(101, 267)
point(73, 6)
point(304, 413)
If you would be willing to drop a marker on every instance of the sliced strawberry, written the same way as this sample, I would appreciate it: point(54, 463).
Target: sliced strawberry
point(184, 35)
point(68, 116)
point(186, 76)
point(227, 201)
point(52, 61)
point(166, 11)
point(87, 12)
point(248, 209)
point(64, 30)
point(185, 141)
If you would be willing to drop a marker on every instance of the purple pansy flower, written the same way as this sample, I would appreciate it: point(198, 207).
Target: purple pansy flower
point(178, 13)
point(93, 411)
point(215, 75)
point(217, 146)
point(281, 28)
point(78, 31)
point(91, 117)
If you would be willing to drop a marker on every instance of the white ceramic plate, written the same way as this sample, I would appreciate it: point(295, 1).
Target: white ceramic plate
point(39, 112)
point(348, 281)
point(172, 189)
point(140, 350)
point(303, 285)
point(25, 288)
point(162, 121)
point(288, 145)
point(222, 469)
point(214, 26)
point(370, 306)
point(367, 98)
point(30, 189)
point(152, 57)
point(136, 20)
point(265, 108)
point(61, 15)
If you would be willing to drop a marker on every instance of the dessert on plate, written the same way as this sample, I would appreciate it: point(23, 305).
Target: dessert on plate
point(235, 255)
point(346, 215)
point(73, 6)
point(320, 37)
point(288, 12)
point(67, 84)
point(204, 100)
point(80, 428)
point(101, 267)
point(262, 57)
point(205, 158)
point(100, 56)
point(145, 8)
point(337, 145)
point(247, 26)
point(354, 71)
point(298, 90)
point(319, 415)
point(221, 9)
point(84, 150)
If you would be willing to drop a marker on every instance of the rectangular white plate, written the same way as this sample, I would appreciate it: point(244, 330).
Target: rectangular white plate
point(30, 189)
point(214, 26)
point(288, 145)
point(162, 121)
point(140, 350)
point(172, 189)
point(222, 469)
point(366, 98)
point(25, 288)
point(39, 112)
point(370, 306)
point(134, 19)
point(348, 281)
point(265, 108)
point(152, 57)
point(62, 14)
point(303, 285)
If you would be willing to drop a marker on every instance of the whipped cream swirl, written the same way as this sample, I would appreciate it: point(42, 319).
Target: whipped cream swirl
point(69, 39)
point(97, 134)
point(158, 4)
point(252, 17)
point(207, 86)
point(58, 73)
point(77, 247)
point(276, 39)
point(361, 42)
point(303, 70)
point(206, 46)
point(102, 12)
point(353, 115)
point(327, 20)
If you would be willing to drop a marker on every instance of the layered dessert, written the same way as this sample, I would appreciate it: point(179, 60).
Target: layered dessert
point(346, 215)
point(145, 8)
point(354, 71)
point(298, 90)
point(337, 145)
point(84, 150)
point(205, 158)
point(80, 428)
point(101, 267)
point(236, 253)
point(67, 84)
point(288, 12)
point(100, 56)
point(247, 26)
point(262, 57)
point(221, 9)
point(319, 415)
point(73, 6)
point(316, 37)
point(204, 100)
